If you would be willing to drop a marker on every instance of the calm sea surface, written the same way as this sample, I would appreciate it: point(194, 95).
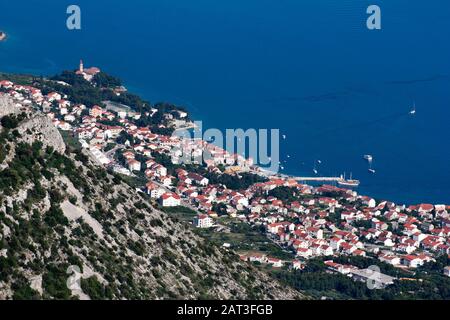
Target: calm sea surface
point(310, 68)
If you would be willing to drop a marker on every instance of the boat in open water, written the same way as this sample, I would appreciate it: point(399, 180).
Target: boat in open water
point(371, 170)
point(413, 110)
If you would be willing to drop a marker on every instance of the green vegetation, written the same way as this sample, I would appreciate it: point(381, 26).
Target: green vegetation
point(437, 266)
point(182, 213)
point(9, 122)
point(244, 237)
point(23, 168)
point(70, 140)
point(284, 193)
point(44, 242)
point(25, 80)
point(23, 291)
point(82, 91)
point(365, 262)
point(95, 290)
point(54, 281)
point(314, 280)
point(234, 182)
point(55, 216)
point(104, 80)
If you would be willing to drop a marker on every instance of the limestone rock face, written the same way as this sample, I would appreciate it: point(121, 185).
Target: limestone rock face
point(40, 128)
point(68, 212)
point(37, 127)
point(7, 107)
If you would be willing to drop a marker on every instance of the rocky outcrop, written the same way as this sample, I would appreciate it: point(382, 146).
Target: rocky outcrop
point(35, 127)
point(67, 212)
point(7, 107)
point(40, 128)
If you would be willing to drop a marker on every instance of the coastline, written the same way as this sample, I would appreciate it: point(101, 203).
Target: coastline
point(262, 172)
point(209, 87)
point(281, 224)
point(190, 125)
point(187, 126)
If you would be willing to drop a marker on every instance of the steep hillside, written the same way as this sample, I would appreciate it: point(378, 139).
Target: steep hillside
point(58, 209)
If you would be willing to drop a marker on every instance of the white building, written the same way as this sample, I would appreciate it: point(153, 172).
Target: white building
point(412, 261)
point(304, 253)
point(154, 190)
point(447, 271)
point(203, 221)
point(170, 199)
point(100, 156)
point(134, 165)
point(390, 259)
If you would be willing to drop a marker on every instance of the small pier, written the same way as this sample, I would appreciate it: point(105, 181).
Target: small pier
point(319, 179)
point(341, 179)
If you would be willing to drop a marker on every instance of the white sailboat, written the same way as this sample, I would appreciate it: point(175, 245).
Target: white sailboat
point(315, 168)
point(413, 110)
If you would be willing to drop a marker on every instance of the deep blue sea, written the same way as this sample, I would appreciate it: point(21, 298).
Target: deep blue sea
point(310, 68)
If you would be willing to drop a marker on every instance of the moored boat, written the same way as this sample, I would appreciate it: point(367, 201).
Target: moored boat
point(348, 183)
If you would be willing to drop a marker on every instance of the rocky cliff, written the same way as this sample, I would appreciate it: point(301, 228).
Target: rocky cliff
point(40, 128)
point(70, 229)
point(7, 107)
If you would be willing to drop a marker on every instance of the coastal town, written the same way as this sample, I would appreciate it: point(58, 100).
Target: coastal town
point(303, 220)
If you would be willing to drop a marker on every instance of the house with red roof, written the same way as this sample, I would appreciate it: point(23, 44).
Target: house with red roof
point(170, 199)
point(275, 262)
point(348, 248)
point(304, 253)
point(153, 190)
point(425, 208)
point(6, 84)
point(412, 261)
point(133, 165)
point(390, 259)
